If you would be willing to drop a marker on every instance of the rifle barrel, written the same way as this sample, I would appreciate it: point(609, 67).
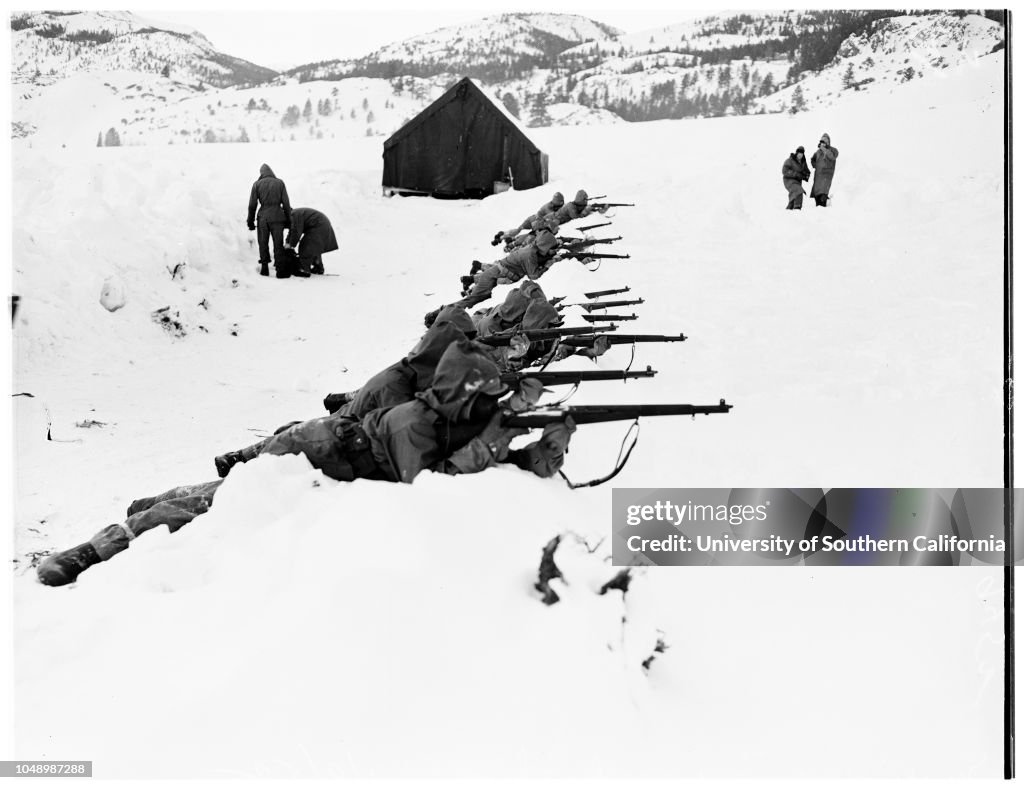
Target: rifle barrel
point(555, 333)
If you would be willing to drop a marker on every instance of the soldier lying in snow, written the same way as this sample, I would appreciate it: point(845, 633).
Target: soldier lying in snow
point(530, 261)
point(453, 428)
point(553, 205)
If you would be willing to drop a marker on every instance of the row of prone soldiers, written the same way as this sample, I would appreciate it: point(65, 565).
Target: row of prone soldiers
point(532, 253)
point(439, 408)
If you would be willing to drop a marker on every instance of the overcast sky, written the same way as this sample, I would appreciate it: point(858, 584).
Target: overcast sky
point(282, 35)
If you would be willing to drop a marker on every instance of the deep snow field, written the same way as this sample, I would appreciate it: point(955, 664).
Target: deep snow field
point(306, 628)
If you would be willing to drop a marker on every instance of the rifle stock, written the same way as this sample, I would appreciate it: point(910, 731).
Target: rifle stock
point(582, 255)
point(584, 415)
point(591, 306)
point(583, 228)
point(592, 318)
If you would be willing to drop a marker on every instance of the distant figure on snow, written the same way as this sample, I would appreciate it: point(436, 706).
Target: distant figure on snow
point(795, 170)
point(311, 235)
point(824, 164)
point(275, 214)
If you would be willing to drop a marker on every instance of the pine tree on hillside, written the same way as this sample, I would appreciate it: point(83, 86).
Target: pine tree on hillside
point(307, 111)
point(112, 138)
point(99, 140)
point(848, 78)
point(539, 111)
point(799, 104)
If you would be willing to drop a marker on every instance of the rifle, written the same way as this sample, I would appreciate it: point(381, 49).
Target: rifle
point(553, 377)
point(581, 340)
point(583, 415)
point(571, 242)
point(600, 208)
point(593, 318)
point(555, 333)
point(590, 306)
point(582, 256)
point(609, 292)
point(583, 228)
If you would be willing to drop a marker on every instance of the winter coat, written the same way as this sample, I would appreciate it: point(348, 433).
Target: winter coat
point(824, 164)
point(272, 196)
point(526, 262)
point(400, 382)
point(571, 211)
point(436, 431)
point(504, 316)
point(314, 230)
point(793, 172)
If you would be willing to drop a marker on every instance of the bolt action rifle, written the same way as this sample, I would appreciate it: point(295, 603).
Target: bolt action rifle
point(555, 377)
point(601, 208)
point(571, 242)
point(591, 306)
point(585, 415)
point(592, 318)
point(586, 256)
point(584, 228)
point(555, 333)
point(582, 340)
point(609, 292)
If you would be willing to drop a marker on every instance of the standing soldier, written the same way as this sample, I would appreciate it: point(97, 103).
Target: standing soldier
point(824, 164)
point(795, 170)
point(312, 234)
point(275, 214)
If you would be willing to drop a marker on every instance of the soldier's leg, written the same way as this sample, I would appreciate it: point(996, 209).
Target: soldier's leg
point(305, 263)
point(277, 234)
point(318, 265)
point(483, 284)
point(263, 239)
point(175, 511)
point(224, 463)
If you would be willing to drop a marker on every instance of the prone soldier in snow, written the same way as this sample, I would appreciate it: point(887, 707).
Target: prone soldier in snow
point(455, 427)
point(530, 261)
point(577, 209)
point(553, 205)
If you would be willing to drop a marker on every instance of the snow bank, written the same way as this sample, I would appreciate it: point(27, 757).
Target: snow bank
point(307, 628)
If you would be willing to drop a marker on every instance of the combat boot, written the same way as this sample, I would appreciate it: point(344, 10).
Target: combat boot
point(226, 461)
point(64, 566)
point(264, 270)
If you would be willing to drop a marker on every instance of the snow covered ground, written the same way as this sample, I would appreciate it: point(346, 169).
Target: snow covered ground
point(306, 628)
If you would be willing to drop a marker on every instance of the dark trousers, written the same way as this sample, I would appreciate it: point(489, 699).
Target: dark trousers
point(821, 200)
point(264, 232)
point(310, 263)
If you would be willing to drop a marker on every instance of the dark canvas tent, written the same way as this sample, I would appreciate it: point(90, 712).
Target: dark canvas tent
point(460, 146)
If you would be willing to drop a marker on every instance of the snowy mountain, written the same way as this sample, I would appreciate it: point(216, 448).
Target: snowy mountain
point(305, 628)
point(145, 86)
point(890, 52)
point(491, 49)
point(52, 45)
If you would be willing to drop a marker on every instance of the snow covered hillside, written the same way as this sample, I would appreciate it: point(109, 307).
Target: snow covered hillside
point(501, 46)
point(307, 628)
point(49, 45)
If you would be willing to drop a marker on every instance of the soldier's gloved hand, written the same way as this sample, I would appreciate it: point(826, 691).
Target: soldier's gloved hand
point(518, 345)
point(601, 345)
point(497, 437)
point(563, 352)
point(546, 456)
point(527, 395)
